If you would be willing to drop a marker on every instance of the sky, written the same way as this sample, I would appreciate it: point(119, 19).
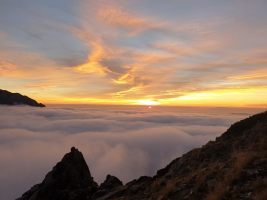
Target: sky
point(125, 141)
point(145, 52)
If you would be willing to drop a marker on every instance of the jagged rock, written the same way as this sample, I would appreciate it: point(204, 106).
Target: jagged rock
point(70, 179)
point(110, 183)
point(8, 98)
point(107, 186)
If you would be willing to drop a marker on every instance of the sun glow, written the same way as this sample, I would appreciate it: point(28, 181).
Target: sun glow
point(221, 97)
point(147, 102)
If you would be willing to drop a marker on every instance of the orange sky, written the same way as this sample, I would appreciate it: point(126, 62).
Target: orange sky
point(189, 53)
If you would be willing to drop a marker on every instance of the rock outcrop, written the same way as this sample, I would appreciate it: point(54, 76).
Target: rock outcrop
point(110, 184)
point(9, 98)
point(70, 179)
point(234, 166)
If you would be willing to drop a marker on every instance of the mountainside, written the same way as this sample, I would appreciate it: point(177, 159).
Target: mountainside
point(234, 166)
point(9, 98)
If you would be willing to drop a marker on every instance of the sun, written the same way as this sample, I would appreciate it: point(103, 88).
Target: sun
point(147, 102)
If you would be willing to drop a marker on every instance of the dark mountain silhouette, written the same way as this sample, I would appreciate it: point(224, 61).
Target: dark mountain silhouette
point(233, 167)
point(9, 98)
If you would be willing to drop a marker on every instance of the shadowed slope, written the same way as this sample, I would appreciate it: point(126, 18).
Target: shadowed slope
point(232, 167)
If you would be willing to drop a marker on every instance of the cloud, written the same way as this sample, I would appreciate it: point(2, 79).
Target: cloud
point(121, 18)
point(6, 67)
point(124, 141)
point(116, 16)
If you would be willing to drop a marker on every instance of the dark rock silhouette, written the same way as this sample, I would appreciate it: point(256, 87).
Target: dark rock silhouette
point(70, 179)
point(110, 183)
point(234, 166)
point(107, 186)
point(9, 98)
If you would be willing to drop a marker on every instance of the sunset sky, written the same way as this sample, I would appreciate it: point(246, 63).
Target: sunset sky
point(146, 52)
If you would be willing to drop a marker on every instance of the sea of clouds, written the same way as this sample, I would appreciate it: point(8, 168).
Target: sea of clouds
point(123, 141)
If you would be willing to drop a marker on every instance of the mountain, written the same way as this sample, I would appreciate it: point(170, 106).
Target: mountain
point(233, 167)
point(9, 98)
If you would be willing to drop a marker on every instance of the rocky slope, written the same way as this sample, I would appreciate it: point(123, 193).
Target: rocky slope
point(9, 98)
point(233, 167)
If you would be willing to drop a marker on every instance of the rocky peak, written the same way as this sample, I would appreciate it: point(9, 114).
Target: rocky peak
point(110, 182)
point(70, 179)
point(109, 185)
point(71, 172)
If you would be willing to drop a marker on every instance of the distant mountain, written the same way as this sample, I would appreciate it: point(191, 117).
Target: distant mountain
point(234, 167)
point(9, 98)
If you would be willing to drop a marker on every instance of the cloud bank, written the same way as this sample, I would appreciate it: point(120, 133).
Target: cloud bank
point(124, 141)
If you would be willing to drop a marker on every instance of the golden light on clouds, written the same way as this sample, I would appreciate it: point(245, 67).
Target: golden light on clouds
point(222, 97)
point(121, 52)
point(126, 78)
point(115, 16)
point(262, 74)
point(93, 65)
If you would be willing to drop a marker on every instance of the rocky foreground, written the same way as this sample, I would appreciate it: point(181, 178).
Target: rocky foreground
point(234, 167)
point(9, 98)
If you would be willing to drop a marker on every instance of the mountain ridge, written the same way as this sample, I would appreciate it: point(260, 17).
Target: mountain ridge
point(9, 98)
point(234, 166)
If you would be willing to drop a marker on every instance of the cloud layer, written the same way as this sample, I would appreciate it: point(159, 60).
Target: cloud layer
point(124, 141)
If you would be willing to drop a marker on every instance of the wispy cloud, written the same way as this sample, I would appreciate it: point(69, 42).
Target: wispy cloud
point(118, 17)
point(7, 67)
